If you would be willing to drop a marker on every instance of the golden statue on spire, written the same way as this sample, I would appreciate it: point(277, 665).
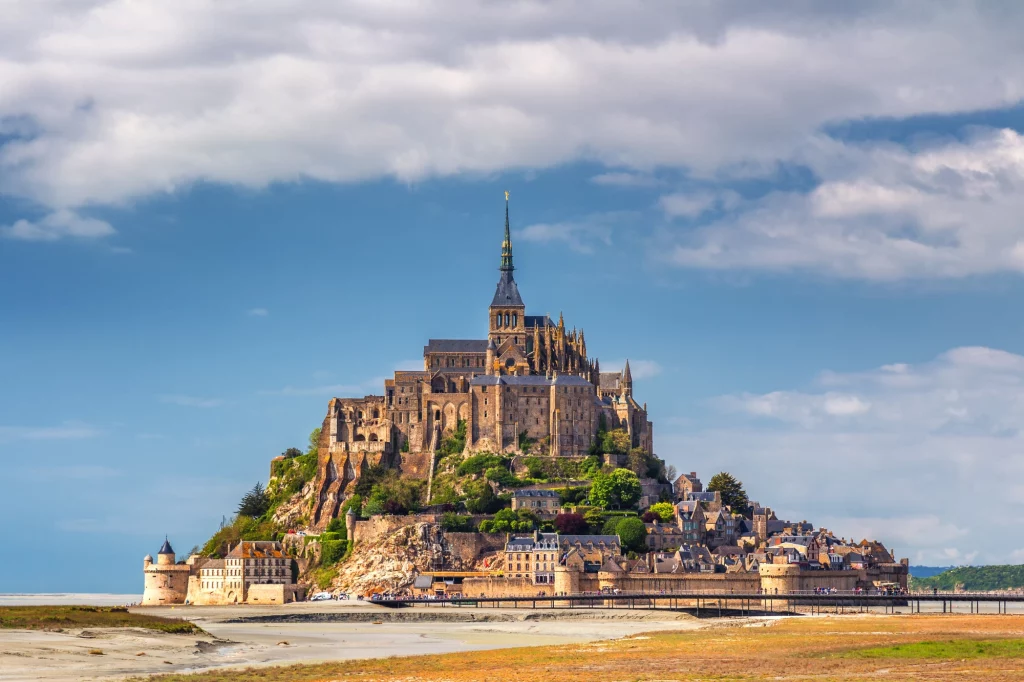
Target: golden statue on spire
point(506, 195)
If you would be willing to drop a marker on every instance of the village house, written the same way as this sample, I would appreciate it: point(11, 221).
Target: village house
point(541, 502)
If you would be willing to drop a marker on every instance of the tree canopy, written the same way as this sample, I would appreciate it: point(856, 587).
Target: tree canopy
point(665, 511)
point(255, 503)
point(571, 524)
point(632, 534)
point(731, 490)
point(618, 490)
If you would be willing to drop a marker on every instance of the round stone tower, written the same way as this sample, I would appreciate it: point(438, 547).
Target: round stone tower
point(164, 582)
point(350, 525)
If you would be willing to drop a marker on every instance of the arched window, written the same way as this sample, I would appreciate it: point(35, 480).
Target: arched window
point(376, 413)
point(360, 414)
point(506, 319)
point(373, 437)
point(437, 415)
point(515, 319)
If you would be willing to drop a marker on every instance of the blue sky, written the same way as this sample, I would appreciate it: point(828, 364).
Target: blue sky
point(803, 231)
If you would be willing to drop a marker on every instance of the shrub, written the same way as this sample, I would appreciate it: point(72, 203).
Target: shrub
point(571, 524)
point(451, 521)
point(650, 517)
point(336, 526)
point(480, 498)
point(572, 496)
point(331, 551)
point(477, 464)
point(454, 442)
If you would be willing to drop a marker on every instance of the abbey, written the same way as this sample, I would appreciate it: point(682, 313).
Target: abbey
point(530, 381)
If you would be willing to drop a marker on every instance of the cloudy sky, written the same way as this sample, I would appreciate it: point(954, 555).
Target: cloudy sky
point(801, 225)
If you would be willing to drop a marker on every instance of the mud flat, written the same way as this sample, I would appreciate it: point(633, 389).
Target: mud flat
point(306, 633)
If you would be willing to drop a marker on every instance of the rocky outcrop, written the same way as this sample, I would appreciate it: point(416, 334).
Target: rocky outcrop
point(389, 565)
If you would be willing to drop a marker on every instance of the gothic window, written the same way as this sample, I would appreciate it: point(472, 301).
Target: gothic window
point(515, 319)
point(497, 320)
point(360, 414)
point(506, 319)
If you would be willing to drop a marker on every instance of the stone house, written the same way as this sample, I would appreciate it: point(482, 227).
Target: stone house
point(686, 484)
point(662, 536)
point(542, 502)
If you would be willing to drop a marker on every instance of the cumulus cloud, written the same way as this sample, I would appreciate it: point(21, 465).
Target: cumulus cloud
point(892, 452)
point(104, 101)
point(882, 212)
point(57, 225)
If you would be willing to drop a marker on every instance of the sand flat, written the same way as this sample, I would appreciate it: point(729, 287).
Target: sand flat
point(62, 656)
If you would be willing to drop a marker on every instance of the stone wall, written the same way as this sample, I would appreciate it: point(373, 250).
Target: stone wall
point(502, 587)
point(376, 528)
point(415, 464)
point(788, 578)
point(744, 583)
point(470, 548)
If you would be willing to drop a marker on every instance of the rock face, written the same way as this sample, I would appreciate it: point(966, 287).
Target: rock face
point(388, 566)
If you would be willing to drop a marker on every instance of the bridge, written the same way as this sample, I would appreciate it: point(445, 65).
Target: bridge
point(727, 603)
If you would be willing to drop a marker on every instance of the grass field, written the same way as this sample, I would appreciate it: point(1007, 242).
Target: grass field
point(66, 617)
point(924, 647)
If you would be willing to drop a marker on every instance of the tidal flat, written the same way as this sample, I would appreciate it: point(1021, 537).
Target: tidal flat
point(311, 643)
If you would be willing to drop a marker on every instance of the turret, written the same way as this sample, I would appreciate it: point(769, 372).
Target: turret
point(491, 349)
point(627, 380)
point(165, 556)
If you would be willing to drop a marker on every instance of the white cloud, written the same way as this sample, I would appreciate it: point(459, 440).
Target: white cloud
point(881, 212)
point(191, 401)
point(65, 431)
point(895, 452)
point(57, 225)
point(257, 312)
point(626, 179)
point(696, 204)
point(109, 100)
point(580, 235)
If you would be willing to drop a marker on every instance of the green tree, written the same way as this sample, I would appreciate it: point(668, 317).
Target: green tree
point(480, 498)
point(615, 441)
point(455, 442)
point(611, 525)
point(291, 452)
point(666, 511)
point(314, 440)
point(632, 534)
point(731, 491)
point(255, 503)
point(618, 490)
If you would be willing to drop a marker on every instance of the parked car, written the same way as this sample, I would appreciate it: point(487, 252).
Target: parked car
point(320, 596)
point(341, 596)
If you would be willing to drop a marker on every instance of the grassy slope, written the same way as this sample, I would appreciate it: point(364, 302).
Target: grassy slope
point(974, 578)
point(65, 617)
point(798, 648)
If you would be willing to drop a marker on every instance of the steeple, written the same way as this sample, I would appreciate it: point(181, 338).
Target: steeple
point(507, 292)
point(506, 246)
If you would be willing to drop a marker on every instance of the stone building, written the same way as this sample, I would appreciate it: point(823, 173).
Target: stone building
point(537, 500)
point(166, 581)
point(530, 380)
point(253, 572)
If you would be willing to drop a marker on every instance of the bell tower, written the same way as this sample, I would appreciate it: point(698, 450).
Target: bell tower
point(507, 312)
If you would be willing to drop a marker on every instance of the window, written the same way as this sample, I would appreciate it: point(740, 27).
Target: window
point(506, 319)
point(515, 321)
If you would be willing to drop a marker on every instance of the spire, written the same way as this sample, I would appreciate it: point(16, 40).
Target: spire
point(626, 374)
point(506, 246)
point(507, 292)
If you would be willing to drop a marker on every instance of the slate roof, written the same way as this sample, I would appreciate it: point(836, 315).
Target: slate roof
point(507, 291)
point(166, 548)
point(538, 320)
point(534, 492)
point(455, 346)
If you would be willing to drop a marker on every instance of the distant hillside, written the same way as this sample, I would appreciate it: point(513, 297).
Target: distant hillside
point(973, 578)
point(928, 571)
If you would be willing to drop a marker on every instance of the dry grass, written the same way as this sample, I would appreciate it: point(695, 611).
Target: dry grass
point(65, 617)
point(816, 649)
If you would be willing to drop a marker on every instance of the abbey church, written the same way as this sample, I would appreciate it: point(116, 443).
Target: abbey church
point(530, 381)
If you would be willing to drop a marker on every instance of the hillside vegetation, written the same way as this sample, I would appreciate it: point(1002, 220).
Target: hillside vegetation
point(973, 578)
